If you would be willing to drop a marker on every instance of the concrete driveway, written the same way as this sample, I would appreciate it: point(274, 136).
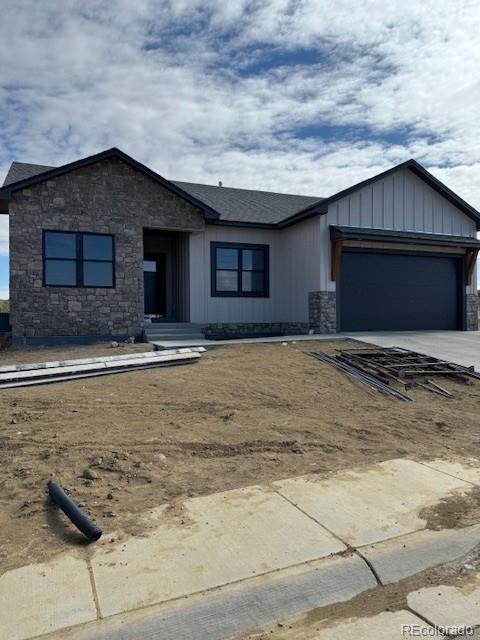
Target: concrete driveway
point(462, 347)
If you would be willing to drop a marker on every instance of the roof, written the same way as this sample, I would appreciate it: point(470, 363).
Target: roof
point(412, 165)
point(244, 206)
point(21, 170)
point(408, 237)
point(228, 205)
point(7, 189)
point(247, 205)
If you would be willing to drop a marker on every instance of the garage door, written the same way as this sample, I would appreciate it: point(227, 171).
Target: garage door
point(394, 292)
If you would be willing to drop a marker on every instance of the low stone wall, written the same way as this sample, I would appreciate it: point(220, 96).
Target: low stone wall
point(225, 331)
point(471, 312)
point(322, 311)
point(58, 341)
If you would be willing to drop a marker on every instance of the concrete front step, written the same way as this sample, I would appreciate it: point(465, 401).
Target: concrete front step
point(161, 337)
point(158, 331)
point(174, 325)
point(171, 332)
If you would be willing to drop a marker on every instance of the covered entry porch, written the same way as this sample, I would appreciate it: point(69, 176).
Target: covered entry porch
point(166, 275)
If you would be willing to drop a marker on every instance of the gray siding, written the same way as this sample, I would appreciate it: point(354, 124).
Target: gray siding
point(402, 202)
point(204, 308)
point(298, 267)
point(294, 271)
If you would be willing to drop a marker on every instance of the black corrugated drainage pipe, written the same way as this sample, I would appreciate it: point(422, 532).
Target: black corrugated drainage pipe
point(70, 509)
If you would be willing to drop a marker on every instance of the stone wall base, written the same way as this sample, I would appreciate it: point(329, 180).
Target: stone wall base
point(224, 331)
point(54, 341)
point(471, 312)
point(322, 311)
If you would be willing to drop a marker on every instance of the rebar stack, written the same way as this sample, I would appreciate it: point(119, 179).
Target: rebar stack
point(380, 367)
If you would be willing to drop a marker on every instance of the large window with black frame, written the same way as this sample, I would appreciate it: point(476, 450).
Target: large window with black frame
point(78, 259)
point(239, 270)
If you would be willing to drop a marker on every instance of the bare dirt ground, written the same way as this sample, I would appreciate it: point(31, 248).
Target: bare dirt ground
point(244, 414)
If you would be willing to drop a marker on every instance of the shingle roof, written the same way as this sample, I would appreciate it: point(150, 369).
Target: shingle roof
point(233, 205)
point(247, 205)
point(21, 170)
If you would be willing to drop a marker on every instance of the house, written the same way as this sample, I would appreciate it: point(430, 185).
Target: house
point(98, 244)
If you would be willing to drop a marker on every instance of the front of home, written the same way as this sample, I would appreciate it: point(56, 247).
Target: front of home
point(100, 244)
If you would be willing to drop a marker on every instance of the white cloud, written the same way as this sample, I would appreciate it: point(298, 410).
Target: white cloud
point(168, 81)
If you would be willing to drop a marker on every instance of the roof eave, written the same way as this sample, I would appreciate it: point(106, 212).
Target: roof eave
point(444, 191)
point(321, 207)
point(241, 223)
point(6, 192)
point(304, 214)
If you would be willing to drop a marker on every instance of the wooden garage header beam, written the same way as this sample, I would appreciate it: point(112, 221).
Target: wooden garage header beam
point(405, 237)
point(339, 234)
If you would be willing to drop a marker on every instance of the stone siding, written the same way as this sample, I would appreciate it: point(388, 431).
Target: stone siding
point(322, 311)
point(471, 311)
point(106, 197)
point(225, 331)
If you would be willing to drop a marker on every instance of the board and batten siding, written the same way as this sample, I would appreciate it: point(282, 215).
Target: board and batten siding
point(297, 263)
point(400, 202)
point(294, 271)
point(205, 308)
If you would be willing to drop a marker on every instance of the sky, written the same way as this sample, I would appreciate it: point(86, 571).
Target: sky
point(304, 96)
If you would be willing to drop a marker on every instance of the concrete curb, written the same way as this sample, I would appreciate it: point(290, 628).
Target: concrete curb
point(247, 557)
point(249, 605)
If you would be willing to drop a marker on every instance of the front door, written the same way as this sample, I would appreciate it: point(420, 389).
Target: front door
point(155, 284)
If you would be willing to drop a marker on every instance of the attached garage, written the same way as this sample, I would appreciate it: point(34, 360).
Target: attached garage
point(400, 281)
point(399, 291)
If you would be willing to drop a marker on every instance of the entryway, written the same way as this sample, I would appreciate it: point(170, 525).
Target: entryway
point(155, 284)
point(165, 275)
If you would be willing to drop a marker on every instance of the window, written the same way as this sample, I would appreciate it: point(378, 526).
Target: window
point(72, 259)
point(239, 270)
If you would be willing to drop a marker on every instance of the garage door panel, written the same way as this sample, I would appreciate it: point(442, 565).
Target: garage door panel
point(395, 292)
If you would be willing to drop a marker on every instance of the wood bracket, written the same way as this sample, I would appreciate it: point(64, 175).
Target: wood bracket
point(470, 261)
point(336, 256)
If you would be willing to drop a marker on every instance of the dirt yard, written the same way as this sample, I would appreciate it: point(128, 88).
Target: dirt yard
point(123, 444)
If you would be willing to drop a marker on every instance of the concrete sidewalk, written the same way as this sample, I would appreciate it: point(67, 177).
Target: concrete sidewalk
point(237, 560)
point(461, 347)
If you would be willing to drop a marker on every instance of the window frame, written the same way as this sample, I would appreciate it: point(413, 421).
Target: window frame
point(239, 247)
point(79, 260)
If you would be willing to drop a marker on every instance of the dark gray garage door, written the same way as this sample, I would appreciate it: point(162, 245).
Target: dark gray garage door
point(393, 292)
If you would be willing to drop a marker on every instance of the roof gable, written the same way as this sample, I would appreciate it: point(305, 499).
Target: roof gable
point(50, 173)
point(232, 206)
point(321, 207)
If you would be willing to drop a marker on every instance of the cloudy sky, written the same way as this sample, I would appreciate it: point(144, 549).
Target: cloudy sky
point(304, 96)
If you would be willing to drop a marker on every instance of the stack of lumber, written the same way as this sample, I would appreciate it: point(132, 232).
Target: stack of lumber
point(23, 375)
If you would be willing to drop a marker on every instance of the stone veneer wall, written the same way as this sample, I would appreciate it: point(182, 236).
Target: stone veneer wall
point(229, 330)
point(106, 197)
point(471, 311)
point(322, 311)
